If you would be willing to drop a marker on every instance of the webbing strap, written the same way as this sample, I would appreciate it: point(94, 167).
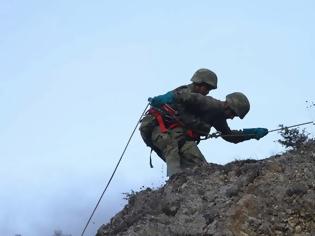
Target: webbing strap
point(170, 110)
point(159, 119)
point(193, 135)
point(158, 116)
point(151, 158)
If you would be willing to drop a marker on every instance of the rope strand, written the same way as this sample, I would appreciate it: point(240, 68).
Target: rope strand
point(110, 179)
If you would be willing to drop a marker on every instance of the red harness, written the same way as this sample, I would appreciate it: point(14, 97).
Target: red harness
point(175, 123)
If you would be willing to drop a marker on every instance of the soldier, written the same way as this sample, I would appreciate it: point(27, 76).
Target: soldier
point(176, 121)
point(203, 81)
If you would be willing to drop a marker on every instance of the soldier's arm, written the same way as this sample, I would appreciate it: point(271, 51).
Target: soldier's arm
point(197, 102)
point(232, 136)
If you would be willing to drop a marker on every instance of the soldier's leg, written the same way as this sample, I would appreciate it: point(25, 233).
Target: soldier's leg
point(146, 127)
point(173, 157)
point(191, 155)
point(168, 144)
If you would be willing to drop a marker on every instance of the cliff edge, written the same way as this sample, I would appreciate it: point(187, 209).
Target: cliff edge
point(274, 196)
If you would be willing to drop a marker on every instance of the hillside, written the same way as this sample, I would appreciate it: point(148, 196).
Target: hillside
point(274, 196)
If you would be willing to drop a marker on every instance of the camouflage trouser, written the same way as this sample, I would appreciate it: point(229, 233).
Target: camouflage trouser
point(177, 151)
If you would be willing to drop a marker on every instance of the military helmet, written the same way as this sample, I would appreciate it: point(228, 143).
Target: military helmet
point(238, 103)
point(205, 76)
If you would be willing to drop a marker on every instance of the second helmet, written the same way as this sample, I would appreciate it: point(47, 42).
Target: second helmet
point(239, 103)
point(205, 76)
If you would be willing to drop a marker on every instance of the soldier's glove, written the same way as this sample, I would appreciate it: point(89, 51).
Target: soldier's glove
point(161, 99)
point(256, 133)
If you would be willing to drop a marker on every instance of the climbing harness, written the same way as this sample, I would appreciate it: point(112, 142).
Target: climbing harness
point(166, 118)
point(110, 179)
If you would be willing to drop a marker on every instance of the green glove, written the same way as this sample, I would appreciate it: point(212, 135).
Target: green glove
point(257, 133)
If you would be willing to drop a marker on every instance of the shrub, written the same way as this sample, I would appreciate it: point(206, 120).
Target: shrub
point(292, 138)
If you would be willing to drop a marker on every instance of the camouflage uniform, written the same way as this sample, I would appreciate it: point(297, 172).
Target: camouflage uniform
point(210, 112)
point(195, 112)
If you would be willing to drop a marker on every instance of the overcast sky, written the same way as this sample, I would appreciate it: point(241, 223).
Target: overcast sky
point(75, 77)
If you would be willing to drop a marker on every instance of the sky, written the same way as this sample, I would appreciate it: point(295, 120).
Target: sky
point(75, 77)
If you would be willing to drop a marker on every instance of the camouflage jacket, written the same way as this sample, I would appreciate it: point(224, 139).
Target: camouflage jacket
point(191, 118)
point(200, 113)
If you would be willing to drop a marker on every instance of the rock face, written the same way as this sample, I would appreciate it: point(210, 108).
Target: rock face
point(274, 196)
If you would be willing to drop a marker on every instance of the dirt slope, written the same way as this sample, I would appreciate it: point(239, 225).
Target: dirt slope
point(274, 196)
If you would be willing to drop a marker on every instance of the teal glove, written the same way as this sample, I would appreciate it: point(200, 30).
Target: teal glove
point(161, 99)
point(257, 133)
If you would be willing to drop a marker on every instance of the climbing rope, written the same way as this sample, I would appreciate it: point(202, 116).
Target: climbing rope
point(289, 127)
point(110, 179)
point(218, 134)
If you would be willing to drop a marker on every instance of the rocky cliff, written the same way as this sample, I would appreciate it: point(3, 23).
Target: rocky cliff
point(274, 196)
